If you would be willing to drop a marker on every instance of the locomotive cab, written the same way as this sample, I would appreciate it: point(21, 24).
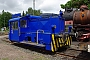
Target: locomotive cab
point(17, 27)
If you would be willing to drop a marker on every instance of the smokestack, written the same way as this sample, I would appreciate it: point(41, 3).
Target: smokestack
point(33, 6)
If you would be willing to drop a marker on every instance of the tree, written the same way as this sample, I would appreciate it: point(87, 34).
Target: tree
point(23, 14)
point(75, 4)
point(4, 18)
point(37, 12)
point(30, 11)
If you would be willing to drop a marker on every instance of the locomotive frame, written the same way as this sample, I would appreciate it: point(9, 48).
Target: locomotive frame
point(46, 31)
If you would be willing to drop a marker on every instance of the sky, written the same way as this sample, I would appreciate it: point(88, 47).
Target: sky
point(17, 6)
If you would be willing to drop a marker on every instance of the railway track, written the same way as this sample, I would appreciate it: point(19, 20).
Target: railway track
point(72, 54)
point(69, 54)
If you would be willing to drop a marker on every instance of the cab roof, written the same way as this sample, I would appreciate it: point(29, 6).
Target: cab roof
point(15, 19)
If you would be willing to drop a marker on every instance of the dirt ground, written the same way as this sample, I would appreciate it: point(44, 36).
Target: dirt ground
point(8, 52)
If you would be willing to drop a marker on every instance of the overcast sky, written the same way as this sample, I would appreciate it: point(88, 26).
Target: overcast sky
point(17, 6)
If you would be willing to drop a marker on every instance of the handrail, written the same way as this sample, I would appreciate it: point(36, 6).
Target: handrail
point(37, 34)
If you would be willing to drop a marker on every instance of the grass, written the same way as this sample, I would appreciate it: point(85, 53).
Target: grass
point(41, 58)
point(5, 59)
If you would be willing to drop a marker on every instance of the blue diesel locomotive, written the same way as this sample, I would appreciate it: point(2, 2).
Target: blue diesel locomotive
point(46, 30)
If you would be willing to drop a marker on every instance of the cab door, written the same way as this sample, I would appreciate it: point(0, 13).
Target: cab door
point(14, 31)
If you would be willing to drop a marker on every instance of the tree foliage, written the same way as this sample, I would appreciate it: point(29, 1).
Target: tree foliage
point(33, 12)
point(6, 16)
point(23, 14)
point(75, 4)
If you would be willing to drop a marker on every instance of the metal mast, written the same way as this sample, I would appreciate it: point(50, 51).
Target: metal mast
point(33, 7)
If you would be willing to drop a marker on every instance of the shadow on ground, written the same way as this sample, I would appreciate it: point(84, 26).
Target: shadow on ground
point(83, 56)
point(37, 49)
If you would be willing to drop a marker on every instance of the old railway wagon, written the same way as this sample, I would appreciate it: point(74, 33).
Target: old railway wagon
point(46, 30)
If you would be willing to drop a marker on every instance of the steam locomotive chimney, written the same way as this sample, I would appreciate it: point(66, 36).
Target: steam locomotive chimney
point(83, 7)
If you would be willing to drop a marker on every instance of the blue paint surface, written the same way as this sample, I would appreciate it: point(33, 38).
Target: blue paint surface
point(38, 28)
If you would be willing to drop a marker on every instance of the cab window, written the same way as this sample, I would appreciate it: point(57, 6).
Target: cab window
point(23, 23)
point(14, 25)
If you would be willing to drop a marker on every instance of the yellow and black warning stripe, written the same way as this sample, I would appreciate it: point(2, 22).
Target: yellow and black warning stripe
point(61, 42)
point(53, 44)
point(65, 41)
point(58, 42)
point(68, 41)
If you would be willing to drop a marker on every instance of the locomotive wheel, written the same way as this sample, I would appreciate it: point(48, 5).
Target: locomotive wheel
point(11, 41)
